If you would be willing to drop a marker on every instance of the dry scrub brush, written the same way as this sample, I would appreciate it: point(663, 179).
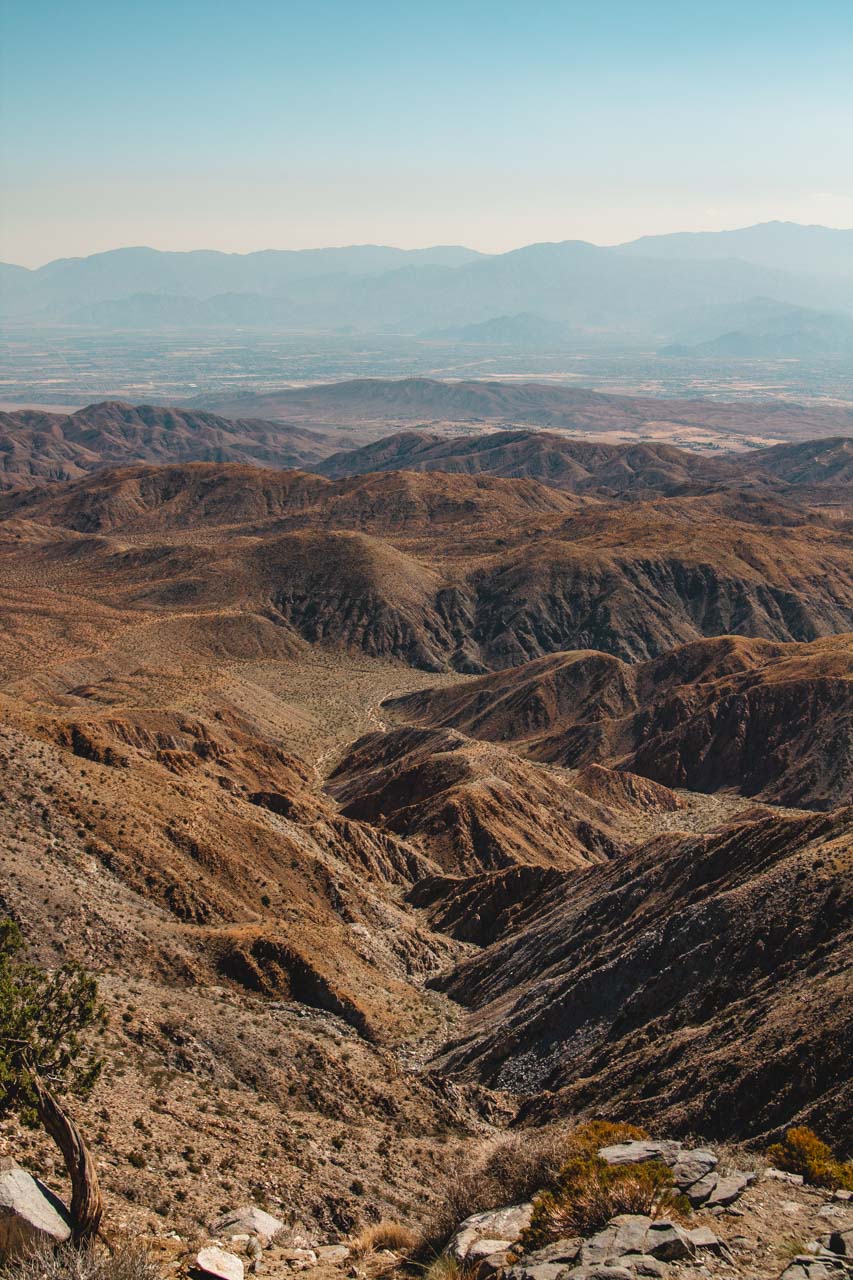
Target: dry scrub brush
point(801, 1151)
point(514, 1170)
point(46, 1262)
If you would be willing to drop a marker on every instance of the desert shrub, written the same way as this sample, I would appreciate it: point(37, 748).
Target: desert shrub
point(384, 1235)
point(590, 1192)
point(514, 1170)
point(43, 1262)
point(801, 1151)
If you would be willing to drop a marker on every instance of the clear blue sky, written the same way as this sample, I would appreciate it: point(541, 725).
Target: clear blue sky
point(255, 124)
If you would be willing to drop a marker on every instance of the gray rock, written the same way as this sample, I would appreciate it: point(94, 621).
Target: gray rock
point(624, 1234)
point(332, 1254)
point(249, 1220)
point(782, 1175)
point(641, 1152)
point(700, 1191)
point(526, 1270)
point(836, 1213)
point(491, 1265)
point(600, 1271)
point(668, 1242)
point(564, 1251)
point(643, 1265)
point(704, 1241)
point(299, 1259)
point(805, 1267)
point(219, 1263)
point(728, 1189)
point(691, 1166)
point(484, 1248)
point(29, 1213)
point(496, 1224)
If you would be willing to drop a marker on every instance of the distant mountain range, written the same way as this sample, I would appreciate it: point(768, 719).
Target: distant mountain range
point(635, 291)
point(765, 329)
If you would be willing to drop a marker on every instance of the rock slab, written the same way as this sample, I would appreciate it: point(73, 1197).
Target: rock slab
point(29, 1213)
point(499, 1226)
point(219, 1264)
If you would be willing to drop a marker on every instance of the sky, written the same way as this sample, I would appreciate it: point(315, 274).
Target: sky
point(257, 124)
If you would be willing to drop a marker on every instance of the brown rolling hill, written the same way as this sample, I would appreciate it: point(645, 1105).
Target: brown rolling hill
point(469, 573)
point(576, 466)
point(685, 985)
point(816, 473)
point(39, 448)
point(373, 401)
point(771, 720)
point(476, 807)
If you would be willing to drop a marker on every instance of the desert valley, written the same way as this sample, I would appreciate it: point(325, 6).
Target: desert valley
point(418, 794)
point(426, 640)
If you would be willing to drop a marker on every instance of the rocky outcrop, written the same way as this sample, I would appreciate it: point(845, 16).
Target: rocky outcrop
point(30, 1214)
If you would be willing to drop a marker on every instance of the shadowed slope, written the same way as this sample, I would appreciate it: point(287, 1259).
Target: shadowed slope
point(686, 985)
point(768, 719)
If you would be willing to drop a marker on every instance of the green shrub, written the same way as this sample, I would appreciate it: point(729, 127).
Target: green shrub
point(801, 1151)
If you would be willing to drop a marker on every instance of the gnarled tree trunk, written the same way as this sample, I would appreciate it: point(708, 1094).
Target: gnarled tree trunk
point(86, 1203)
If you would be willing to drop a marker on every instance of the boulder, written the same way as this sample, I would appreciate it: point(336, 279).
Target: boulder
point(549, 1263)
point(782, 1175)
point(600, 1271)
point(641, 1152)
point(493, 1264)
point(500, 1225)
point(623, 1235)
point(691, 1166)
point(699, 1191)
point(728, 1189)
point(527, 1270)
point(806, 1267)
point(642, 1265)
point(484, 1248)
point(29, 1213)
point(668, 1242)
point(216, 1262)
point(249, 1220)
point(704, 1240)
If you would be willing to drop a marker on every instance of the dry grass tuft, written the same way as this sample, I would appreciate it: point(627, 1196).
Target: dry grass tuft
point(443, 1268)
point(392, 1236)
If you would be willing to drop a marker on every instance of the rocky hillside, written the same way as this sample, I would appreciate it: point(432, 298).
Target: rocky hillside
point(770, 720)
point(39, 448)
point(477, 807)
point(468, 573)
point(687, 983)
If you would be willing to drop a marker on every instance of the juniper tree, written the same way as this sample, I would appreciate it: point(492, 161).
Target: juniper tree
point(47, 1055)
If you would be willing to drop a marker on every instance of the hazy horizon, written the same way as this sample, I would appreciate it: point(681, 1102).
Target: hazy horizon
point(476, 124)
point(434, 244)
